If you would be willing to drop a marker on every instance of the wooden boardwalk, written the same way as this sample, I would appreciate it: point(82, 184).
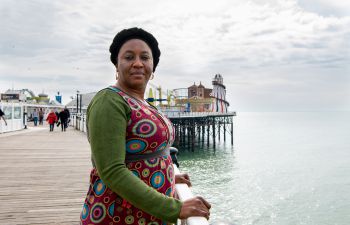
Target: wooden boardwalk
point(44, 176)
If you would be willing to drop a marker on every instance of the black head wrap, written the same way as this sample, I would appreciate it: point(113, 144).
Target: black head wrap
point(134, 33)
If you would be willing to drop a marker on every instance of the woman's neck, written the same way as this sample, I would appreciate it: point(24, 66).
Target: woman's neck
point(138, 94)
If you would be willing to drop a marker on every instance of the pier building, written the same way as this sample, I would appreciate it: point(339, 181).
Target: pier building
point(18, 106)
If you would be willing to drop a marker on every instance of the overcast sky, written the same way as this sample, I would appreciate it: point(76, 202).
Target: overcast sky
point(274, 55)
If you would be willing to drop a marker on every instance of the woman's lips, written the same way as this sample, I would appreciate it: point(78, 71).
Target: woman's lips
point(137, 73)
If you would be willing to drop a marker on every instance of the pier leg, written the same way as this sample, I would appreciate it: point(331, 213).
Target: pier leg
point(225, 131)
point(203, 133)
point(183, 135)
point(213, 121)
point(208, 128)
point(199, 133)
point(188, 136)
point(193, 136)
point(231, 133)
point(219, 129)
point(177, 135)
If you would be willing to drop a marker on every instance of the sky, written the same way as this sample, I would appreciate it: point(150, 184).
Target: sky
point(274, 55)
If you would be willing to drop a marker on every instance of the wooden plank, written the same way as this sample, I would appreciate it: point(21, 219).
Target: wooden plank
point(44, 176)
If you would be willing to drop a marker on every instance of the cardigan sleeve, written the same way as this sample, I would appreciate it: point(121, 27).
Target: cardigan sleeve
point(107, 119)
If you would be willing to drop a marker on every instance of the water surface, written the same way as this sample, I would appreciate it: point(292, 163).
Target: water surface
point(284, 168)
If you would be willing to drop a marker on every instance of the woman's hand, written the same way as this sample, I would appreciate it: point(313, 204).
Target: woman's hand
point(183, 178)
point(196, 206)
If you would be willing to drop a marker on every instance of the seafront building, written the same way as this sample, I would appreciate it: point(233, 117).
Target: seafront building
point(18, 106)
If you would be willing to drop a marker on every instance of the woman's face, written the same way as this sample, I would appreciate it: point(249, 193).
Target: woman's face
point(135, 64)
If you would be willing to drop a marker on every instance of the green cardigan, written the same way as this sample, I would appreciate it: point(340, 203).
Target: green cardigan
point(107, 117)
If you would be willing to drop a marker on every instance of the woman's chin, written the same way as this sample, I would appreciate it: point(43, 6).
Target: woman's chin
point(138, 83)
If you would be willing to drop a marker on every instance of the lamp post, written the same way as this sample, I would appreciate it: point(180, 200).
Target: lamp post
point(77, 101)
point(81, 102)
point(76, 115)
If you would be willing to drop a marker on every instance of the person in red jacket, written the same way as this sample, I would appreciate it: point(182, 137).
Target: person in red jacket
point(51, 119)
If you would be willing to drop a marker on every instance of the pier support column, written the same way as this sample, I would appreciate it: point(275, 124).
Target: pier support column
point(225, 130)
point(208, 128)
point(193, 135)
point(219, 129)
point(203, 133)
point(231, 133)
point(213, 121)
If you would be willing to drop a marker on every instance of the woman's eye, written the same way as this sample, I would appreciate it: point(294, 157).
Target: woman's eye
point(129, 57)
point(145, 57)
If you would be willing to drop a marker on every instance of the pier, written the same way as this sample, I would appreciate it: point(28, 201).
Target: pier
point(44, 176)
point(191, 129)
point(198, 128)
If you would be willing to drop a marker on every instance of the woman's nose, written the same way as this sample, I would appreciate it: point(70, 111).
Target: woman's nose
point(138, 62)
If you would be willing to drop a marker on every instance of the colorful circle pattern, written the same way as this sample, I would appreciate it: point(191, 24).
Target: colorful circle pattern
point(85, 212)
point(152, 162)
point(142, 221)
point(144, 128)
point(136, 173)
point(168, 192)
point(170, 173)
point(162, 146)
point(98, 213)
point(157, 179)
point(129, 219)
point(99, 187)
point(145, 172)
point(136, 145)
point(111, 209)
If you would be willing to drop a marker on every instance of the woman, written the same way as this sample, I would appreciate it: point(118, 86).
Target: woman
point(51, 119)
point(132, 180)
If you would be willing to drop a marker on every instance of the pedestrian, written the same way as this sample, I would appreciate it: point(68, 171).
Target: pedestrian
point(35, 117)
point(132, 180)
point(2, 114)
point(41, 116)
point(51, 119)
point(68, 116)
point(63, 119)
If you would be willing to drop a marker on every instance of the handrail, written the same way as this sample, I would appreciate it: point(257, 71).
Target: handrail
point(174, 114)
point(184, 193)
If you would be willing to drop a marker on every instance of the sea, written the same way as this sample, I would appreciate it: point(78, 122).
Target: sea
point(285, 168)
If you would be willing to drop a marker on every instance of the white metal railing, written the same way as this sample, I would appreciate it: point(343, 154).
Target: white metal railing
point(171, 114)
point(78, 121)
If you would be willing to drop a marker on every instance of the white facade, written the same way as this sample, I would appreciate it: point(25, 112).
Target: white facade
point(14, 113)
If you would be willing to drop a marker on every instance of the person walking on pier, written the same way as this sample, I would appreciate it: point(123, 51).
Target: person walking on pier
point(132, 180)
point(35, 117)
point(63, 119)
point(68, 116)
point(2, 114)
point(51, 119)
point(41, 116)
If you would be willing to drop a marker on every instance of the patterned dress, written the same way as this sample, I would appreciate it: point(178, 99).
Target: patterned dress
point(148, 131)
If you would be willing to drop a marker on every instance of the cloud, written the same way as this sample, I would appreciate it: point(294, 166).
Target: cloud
point(64, 44)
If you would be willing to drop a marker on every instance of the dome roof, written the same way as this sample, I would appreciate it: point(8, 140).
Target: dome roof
point(43, 95)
